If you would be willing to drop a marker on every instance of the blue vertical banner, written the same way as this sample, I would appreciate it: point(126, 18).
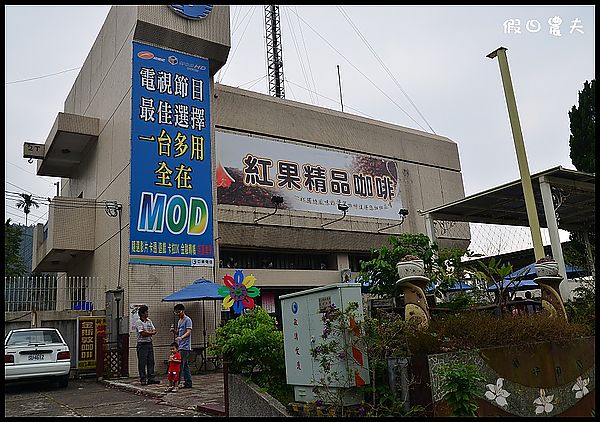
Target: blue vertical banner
point(171, 178)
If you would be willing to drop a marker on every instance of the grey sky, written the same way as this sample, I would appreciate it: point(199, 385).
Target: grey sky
point(435, 53)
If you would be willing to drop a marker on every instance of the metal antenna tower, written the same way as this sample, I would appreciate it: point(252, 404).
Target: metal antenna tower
point(274, 53)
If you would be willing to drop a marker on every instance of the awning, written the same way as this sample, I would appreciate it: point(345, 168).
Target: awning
point(505, 204)
point(528, 272)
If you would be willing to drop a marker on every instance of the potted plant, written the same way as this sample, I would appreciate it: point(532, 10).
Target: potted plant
point(546, 267)
point(410, 266)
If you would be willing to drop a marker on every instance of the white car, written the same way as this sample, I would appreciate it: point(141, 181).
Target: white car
point(35, 353)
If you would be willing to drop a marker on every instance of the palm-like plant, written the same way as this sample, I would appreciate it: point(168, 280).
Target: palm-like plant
point(26, 203)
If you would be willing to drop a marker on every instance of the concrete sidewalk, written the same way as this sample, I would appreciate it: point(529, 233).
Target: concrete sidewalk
point(206, 396)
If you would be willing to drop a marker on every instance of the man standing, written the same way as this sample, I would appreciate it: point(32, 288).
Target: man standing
point(145, 352)
point(184, 339)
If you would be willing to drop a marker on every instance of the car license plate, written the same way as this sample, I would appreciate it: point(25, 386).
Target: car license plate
point(37, 356)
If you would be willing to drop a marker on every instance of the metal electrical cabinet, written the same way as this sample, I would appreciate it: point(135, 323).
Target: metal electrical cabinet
point(302, 332)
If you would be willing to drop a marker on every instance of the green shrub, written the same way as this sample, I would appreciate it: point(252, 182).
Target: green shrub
point(459, 301)
point(459, 385)
point(582, 310)
point(252, 345)
point(387, 336)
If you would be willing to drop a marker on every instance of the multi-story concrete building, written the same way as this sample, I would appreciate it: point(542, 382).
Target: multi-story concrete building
point(275, 173)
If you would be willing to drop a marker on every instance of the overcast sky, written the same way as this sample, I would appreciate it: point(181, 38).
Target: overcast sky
point(442, 80)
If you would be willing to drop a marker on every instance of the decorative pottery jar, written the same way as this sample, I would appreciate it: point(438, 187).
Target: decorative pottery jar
point(546, 267)
point(410, 266)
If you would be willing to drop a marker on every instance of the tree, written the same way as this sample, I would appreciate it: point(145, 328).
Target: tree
point(26, 203)
point(583, 129)
point(583, 156)
point(380, 273)
point(13, 261)
point(442, 265)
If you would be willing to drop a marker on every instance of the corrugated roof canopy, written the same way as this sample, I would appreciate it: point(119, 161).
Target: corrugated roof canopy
point(505, 204)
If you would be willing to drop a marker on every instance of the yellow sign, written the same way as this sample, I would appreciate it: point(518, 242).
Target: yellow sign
point(87, 340)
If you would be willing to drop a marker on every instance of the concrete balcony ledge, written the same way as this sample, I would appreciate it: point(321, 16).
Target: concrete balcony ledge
point(70, 234)
point(67, 144)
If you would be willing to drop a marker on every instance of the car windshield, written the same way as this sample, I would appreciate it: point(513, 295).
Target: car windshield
point(33, 337)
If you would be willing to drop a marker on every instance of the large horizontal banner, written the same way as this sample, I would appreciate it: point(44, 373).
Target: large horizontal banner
point(171, 176)
point(251, 170)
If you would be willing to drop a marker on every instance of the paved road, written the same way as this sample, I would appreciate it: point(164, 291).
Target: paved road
point(84, 397)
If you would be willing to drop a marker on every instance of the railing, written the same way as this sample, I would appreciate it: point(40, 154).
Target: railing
point(53, 293)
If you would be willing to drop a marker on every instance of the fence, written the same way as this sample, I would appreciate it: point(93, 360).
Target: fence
point(53, 293)
point(500, 241)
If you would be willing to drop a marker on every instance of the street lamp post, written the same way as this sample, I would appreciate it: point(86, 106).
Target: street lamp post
point(532, 216)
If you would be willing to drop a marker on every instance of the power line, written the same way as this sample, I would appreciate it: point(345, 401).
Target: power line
point(365, 76)
point(252, 82)
point(43, 76)
point(20, 194)
point(236, 27)
point(29, 172)
point(331, 99)
point(39, 218)
point(12, 184)
point(12, 213)
point(229, 59)
point(19, 209)
point(307, 57)
point(343, 12)
point(66, 203)
point(293, 36)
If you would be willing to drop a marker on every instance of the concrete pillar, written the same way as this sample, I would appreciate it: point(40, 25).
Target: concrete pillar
point(552, 224)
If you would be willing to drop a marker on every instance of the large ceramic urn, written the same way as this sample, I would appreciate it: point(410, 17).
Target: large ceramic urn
point(412, 280)
point(549, 280)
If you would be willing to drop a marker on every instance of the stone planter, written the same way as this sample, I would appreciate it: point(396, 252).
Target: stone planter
point(510, 391)
point(410, 268)
point(546, 269)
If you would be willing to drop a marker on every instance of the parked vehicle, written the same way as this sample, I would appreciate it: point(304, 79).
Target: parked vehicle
point(36, 353)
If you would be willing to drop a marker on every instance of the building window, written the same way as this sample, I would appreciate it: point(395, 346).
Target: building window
point(268, 260)
point(355, 261)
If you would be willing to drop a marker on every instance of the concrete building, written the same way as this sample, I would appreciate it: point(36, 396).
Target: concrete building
point(26, 247)
point(303, 241)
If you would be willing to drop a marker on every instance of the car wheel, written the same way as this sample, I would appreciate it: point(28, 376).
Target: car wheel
point(63, 381)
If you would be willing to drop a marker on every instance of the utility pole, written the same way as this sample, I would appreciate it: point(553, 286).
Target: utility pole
point(274, 52)
point(340, 84)
point(534, 223)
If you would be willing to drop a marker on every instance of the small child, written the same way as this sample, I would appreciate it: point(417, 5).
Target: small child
point(174, 368)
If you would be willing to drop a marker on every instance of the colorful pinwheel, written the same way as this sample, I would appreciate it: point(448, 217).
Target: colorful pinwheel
point(238, 291)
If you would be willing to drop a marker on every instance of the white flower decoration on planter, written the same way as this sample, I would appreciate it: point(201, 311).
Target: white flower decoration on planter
point(580, 387)
point(497, 393)
point(543, 402)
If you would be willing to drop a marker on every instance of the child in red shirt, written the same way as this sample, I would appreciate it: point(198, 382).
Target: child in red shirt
point(174, 368)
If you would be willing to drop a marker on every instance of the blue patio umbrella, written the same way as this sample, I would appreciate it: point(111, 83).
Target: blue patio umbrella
point(201, 289)
point(526, 276)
